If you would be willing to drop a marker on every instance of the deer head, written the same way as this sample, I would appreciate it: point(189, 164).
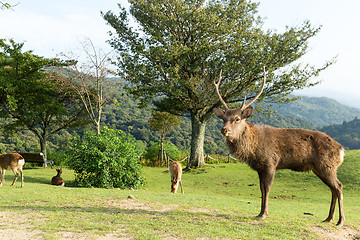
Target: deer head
point(234, 119)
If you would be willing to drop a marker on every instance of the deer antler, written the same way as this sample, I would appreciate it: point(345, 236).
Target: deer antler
point(218, 93)
point(243, 106)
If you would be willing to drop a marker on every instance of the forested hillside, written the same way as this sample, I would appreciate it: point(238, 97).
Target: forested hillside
point(123, 114)
point(347, 133)
point(319, 111)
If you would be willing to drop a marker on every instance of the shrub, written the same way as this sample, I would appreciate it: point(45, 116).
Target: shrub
point(108, 160)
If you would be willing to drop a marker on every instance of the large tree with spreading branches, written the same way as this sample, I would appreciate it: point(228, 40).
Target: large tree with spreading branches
point(34, 95)
point(175, 49)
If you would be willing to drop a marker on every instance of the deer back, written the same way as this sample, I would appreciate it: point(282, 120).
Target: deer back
point(11, 161)
point(175, 174)
point(57, 180)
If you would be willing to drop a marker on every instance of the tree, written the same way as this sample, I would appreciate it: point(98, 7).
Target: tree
point(33, 95)
point(164, 123)
point(178, 49)
point(89, 79)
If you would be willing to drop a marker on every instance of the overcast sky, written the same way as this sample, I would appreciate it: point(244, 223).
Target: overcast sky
point(49, 27)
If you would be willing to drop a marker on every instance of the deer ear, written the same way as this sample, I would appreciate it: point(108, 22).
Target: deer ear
point(219, 113)
point(247, 112)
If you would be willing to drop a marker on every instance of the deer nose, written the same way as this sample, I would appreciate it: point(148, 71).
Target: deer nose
point(225, 131)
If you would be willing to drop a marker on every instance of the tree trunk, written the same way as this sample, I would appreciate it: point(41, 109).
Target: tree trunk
point(98, 129)
point(43, 148)
point(98, 121)
point(162, 150)
point(197, 143)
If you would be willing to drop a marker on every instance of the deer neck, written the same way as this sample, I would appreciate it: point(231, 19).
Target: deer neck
point(244, 145)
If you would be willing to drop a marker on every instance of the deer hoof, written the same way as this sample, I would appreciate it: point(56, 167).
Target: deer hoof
point(340, 223)
point(261, 216)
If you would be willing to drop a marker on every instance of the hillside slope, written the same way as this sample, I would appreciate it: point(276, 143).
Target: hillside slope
point(321, 111)
point(347, 133)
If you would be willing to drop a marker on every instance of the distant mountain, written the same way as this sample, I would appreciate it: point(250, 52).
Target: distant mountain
point(349, 99)
point(320, 111)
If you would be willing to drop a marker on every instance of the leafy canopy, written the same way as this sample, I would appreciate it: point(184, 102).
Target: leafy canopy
point(178, 48)
point(164, 123)
point(32, 94)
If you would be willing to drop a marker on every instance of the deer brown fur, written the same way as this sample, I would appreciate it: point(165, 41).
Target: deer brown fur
point(57, 180)
point(13, 161)
point(175, 174)
point(267, 149)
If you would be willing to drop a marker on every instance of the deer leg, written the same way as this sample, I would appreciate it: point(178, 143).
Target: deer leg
point(16, 176)
point(266, 180)
point(182, 191)
point(330, 179)
point(341, 208)
point(332, 207)
point(22, 177)
point(2, 176)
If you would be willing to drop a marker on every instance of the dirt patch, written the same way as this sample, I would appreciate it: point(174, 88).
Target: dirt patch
point(341, 233)
point(17, 234)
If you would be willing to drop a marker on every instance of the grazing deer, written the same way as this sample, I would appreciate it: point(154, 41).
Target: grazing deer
point(13, 161)
point(57, 180)
point(267, 149)
point(175, 173)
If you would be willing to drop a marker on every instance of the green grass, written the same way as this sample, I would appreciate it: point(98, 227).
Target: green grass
point(220, 202)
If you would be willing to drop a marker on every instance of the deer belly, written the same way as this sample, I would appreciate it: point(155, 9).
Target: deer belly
point(295, 165)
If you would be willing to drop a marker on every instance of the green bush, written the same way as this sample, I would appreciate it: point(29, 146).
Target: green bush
point(107, 161)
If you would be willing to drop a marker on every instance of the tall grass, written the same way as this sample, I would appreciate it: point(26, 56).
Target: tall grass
point(220, 202)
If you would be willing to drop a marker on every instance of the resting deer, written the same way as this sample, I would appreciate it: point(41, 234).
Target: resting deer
point(267, 149)
point(175, 173)
point(57, 180)
point(13, 161)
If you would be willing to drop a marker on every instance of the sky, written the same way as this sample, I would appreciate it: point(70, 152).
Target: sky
point(49, 27)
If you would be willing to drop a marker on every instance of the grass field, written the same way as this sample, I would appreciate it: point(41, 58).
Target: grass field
point(220, 202)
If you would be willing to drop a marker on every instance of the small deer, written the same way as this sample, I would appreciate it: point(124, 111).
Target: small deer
point(175, 173)
point(13, 161)
point(267, 149)
point(57, 180)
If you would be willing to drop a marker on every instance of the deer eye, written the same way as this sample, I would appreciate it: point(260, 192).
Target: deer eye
point(237, 119)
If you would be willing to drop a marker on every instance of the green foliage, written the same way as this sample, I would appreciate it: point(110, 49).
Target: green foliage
point(347, 133)
point(108, 160)
point(152, 152)
point(5, 5)
point(180, 55)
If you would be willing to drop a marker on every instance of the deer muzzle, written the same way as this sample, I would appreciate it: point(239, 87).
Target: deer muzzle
point(225, 131)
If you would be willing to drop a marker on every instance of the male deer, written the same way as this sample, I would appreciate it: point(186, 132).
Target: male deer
point(175, 173)
point(57, 180)
point(266, 149)
point(13, 161)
